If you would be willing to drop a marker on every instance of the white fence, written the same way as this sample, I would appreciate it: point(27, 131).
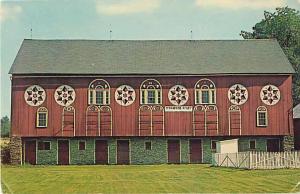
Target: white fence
point(258, 160)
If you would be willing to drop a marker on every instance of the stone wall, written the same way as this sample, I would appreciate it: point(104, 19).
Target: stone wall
point(288, 143)
point(45, 157)
point(261, 144)
point(15, 150)
point(86, 156)
point(157, 154)
point(138, 154)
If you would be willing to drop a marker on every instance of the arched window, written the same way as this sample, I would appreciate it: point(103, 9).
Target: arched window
point(145, 120)
point(151, 120)
point(205, 92)
point(92, 121)
point(42, 117)
point(205, 120)
point(261, 116)
point(99, 92)
point(199, 121)
point(235, 120)
point(151, 92)
point(68, 120)
point(106, 121)
point(212, 120)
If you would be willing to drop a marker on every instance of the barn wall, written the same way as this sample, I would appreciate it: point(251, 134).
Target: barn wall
point(157, 155)
point(138, 154)
point(125, 119)
point(82, 156)
point(45, 157)
point(297, 133)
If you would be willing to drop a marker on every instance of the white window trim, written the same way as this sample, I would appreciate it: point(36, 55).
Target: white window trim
point(199, 91)
point(106, 93)
point(41, 110)
point(257, 116)
point(145, 90)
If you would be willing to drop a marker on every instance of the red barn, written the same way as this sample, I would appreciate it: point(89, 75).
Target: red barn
point(147, 102)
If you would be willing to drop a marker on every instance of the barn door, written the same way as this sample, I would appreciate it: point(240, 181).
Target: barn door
point(101, 152)
point(195, 151)
point(174, 151)
point(273, 145)
point(63, 152)
point(122, 152)
point(30, 152)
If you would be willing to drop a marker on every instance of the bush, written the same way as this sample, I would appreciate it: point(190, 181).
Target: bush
point(5, 154)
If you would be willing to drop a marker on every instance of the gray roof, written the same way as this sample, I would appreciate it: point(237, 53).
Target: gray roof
point(296, 112)
point(174, 57)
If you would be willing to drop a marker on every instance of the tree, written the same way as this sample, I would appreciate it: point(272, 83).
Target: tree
point(284, 26)
point(5, 126)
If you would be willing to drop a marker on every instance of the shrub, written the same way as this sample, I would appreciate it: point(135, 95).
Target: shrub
point(5, 154)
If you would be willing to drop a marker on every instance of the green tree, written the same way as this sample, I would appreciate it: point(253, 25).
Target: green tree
point(5, 126)
point(283, 25)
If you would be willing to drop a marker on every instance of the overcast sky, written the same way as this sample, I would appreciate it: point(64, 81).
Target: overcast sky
point(128, 19)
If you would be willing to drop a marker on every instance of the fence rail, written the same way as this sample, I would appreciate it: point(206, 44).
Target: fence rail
point(258, 160)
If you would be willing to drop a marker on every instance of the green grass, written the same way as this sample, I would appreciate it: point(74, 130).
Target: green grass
point(145, 179)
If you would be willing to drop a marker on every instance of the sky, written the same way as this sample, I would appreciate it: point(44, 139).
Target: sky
point(127, 19)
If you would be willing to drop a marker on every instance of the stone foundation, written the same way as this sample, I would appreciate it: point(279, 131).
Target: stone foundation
point(15, 150)
point(288, 143)
point(138, 155)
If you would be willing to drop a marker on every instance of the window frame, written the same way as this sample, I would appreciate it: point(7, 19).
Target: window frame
point(264, 110)
point(38, 148)
point(204, 87)
point(41, 110)
point(211, 144)
point(81, 141)
point(95, 87)
point(252, 140)
point(145, 145)
point(145, 87)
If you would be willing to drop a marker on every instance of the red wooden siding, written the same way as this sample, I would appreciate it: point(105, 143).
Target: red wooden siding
point(124, 120)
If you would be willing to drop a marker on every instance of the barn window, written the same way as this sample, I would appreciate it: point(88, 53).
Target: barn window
point(235, 120)
point(151, 92)
point(213, 145)
point(148, 145)
point(68, 119)
point(252, 144)
point(81, 145)
point(262, 116)
point(205, 120)
point(205, 92)
point(99, 92)
point(44, 145)
point(42, 117)
point(92, 125)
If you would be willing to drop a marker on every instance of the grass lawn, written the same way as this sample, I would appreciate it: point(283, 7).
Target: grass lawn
point(145, 179)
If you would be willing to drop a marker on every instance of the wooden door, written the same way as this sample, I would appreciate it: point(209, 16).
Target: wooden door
point(195, 151)
point(30, 152)
point(63, 152)
point(273, 145)
point(101, 152)
point(174, 151)
point(122, 152)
